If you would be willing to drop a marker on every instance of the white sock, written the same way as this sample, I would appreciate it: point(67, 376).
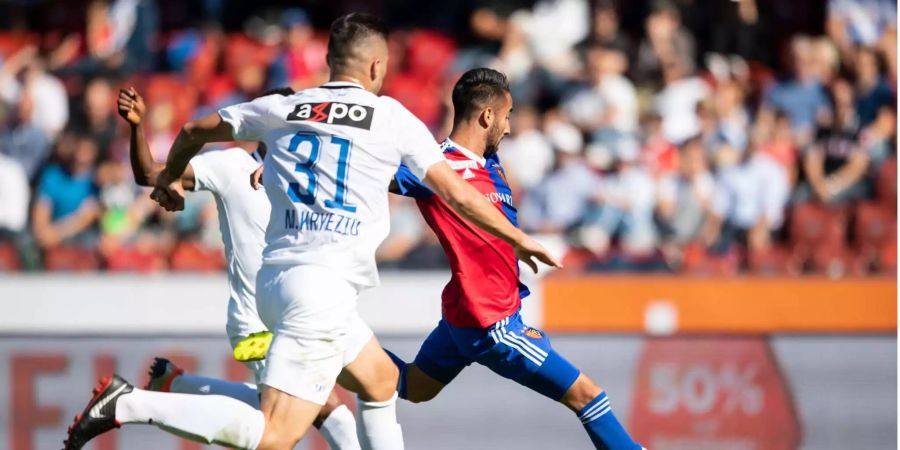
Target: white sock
point(339, 429)
point(209, 419)
point(377, 425)
point(193, 384)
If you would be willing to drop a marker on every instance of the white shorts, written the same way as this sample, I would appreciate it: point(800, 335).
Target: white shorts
point(311, 312)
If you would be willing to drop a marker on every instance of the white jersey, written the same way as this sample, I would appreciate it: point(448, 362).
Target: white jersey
point(243, 214)
point(332, 151)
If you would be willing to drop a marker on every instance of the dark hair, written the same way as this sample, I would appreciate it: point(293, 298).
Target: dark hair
point(476, 89)
point(283, 91)
point(349, 31)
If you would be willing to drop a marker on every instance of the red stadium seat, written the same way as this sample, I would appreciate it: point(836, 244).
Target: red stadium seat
point(172, 88)
point(192, 256)
point(421, 98)
point(429, 55)
point(886, 185)
point(813, 224)
point(813, 227)
point(874, 228)
point(73, 259)
point(873, 225)
point(836, 261)
point(698, 261)
point(888, 257)
point(11, 42)
point(9, 258)
point(135, 259)
point(772, 261)
point(577, 258)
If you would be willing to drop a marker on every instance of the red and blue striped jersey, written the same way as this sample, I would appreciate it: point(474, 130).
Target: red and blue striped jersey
point(484, 286)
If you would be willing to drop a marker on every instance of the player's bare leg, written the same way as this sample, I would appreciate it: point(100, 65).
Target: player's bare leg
point(373, 377)
point(287, 418)
point(335, 421)
point(419, 386)
point(580, 394)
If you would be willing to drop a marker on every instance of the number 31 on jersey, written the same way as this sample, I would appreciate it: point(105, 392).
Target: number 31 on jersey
point(308, 167)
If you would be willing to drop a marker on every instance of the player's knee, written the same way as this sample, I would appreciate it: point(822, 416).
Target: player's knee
point(382, 387)
point(582, 391)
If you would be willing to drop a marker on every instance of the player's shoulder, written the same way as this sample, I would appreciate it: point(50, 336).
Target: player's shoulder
point(393, 106)
point(227, 158)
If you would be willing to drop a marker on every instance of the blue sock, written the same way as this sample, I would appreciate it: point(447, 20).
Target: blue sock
point(401, 381)
point(602, 426)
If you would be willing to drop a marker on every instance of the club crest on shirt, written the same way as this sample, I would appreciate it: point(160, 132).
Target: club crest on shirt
point(533, 333)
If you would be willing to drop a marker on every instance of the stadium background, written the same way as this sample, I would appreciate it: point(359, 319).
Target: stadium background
point(720, 178)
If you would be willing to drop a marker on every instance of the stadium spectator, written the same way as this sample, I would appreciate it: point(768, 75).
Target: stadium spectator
point(605, 30)
point(24, 142)
point(624, 210)
point(666, 42)
point(526, 154)
point(96, 117)
point(23, 77)
point(872, 89)
point(565, 195)
point(748, 201)
point(301, 60)
point(606, 105)
point(835, 164)
point(732, 118)
point(66, 208)
point(658, 153)
point(775, 140)
point(677, 102)
point(14, 197)
point(802, 97)
point(742, 30)
point(852, 23)
point(685, 197)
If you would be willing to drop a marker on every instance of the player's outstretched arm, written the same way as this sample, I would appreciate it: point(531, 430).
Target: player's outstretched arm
point(467, 201)
point(143, 167)
point(169, 192)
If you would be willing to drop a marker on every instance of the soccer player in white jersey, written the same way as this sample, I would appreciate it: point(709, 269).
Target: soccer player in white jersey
point(243, 216)
point(333, 151)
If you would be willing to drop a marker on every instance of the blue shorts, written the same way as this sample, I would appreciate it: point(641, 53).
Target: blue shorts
point(510, 348)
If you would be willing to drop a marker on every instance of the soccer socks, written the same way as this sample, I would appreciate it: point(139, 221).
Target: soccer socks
point(208, 419)
point(602, 426)
point(339, 429)
point(401, 380)
point(377, 425)
point(193, 384)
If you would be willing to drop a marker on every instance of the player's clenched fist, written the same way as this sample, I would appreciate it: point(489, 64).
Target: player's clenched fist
point(168, 192)
point(131, 106)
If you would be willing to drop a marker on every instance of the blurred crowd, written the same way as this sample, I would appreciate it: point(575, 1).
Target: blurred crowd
point(695, 136)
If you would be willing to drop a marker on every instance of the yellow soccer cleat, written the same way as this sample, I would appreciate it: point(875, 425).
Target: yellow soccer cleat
point(253, 347)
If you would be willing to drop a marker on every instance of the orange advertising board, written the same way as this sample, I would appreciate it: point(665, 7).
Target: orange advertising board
point(669, 304)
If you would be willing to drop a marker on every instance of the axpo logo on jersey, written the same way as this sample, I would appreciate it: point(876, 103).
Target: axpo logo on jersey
point(334, 113)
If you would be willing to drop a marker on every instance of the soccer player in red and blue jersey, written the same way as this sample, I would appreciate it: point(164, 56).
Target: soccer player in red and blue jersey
point(480, 304)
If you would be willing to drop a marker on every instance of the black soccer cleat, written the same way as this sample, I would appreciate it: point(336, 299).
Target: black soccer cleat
point(99, 416)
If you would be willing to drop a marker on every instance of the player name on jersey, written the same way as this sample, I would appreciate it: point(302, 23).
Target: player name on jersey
point(313, 221)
